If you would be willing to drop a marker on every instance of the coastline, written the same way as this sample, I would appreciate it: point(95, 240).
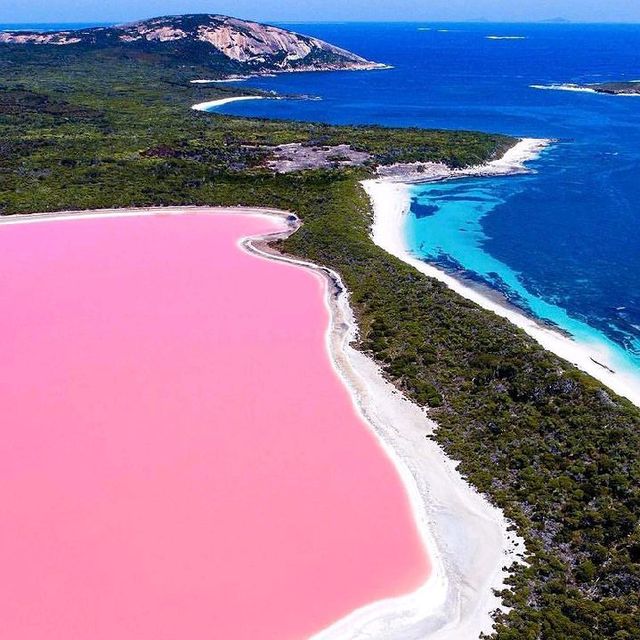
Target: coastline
point(576, 88)
point(222, 80)
point(212, 104)
point(467, 539)
point(512, 162)
point(391, 200)
point(373, 66)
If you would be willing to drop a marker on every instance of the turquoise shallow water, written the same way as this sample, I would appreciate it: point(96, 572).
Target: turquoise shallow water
point(562, 243)
point(446, 222)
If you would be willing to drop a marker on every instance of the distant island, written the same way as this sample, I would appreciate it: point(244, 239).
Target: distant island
point(615, 88)
point(227, 44)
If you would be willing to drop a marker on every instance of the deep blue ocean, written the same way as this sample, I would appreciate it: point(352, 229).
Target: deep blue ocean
point(562, 243)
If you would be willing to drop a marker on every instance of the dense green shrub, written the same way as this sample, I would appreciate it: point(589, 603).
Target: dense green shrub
point(548, 444)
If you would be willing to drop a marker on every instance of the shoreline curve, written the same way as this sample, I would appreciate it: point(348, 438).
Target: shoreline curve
point(469, 542)
point(391, 203)
point(212, 104)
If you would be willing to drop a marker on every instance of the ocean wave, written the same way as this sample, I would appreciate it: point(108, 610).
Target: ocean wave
point(563, 87)
point(506, 37)
point(579, 89)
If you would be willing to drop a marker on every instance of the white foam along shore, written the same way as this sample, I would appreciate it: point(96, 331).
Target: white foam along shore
point(562, 87)
point(512, 162)
point(468, 541)
point(391, 200)
point(207, 106)
point(580, 89)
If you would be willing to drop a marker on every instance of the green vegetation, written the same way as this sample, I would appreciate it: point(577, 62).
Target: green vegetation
point(548, 444)
point(206, 39)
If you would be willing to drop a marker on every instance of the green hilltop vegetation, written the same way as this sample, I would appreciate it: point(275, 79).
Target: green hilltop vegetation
point(548, 444)
point(225, 45)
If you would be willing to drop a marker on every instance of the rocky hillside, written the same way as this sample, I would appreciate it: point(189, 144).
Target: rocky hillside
point(616, 88)
point(237, 45)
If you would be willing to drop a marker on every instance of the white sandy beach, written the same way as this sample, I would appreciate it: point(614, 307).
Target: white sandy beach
point(512, 162)
point(391, 203)
point(468, 541)
point(212, 104)
point(221, 80)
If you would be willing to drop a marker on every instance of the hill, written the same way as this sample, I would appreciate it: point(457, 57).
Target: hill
point(228, 45)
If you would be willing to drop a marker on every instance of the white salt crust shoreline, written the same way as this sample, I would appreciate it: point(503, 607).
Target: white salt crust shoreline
point(468, 541)
point(391, 200)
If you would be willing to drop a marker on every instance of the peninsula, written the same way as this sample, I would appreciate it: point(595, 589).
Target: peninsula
point(616, 88)
point(227, 45)
point(93, 124)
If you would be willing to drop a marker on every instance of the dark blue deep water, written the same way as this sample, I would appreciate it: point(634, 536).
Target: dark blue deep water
point(563, 243)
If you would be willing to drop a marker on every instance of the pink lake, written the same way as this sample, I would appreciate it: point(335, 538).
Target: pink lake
point(178, 458)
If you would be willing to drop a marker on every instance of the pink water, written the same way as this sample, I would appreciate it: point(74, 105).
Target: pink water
point(178, 459)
